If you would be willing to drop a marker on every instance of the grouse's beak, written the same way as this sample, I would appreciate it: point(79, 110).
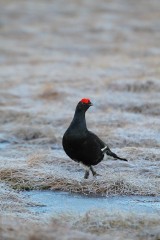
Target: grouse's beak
point(90, 104)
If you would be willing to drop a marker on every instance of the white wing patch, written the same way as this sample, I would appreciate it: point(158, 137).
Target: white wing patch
point(103, 149)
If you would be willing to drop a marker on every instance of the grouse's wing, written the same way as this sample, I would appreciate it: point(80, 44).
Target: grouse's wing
point(97, 139)
point(104, 147)
point(90, 149)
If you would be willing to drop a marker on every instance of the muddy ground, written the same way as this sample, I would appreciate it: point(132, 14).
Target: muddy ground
point(52, 54)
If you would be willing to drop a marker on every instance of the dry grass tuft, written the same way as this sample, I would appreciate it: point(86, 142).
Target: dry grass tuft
point(101, 188)
point(100, 222)
point(33, 133)
point(48, 93)
point(29, 133)
point(8, 116)
point(37, 158)
point(44, 172)
point(134, 86)
point(18, 179)
point(152, 109)
point(95, 224)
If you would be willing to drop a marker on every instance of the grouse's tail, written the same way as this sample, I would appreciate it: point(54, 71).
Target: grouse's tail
point(110, 153)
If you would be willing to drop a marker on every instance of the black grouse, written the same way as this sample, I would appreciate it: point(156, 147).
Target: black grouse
point(82, 145)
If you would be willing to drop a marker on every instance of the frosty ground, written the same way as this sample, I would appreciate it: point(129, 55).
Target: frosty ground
point(52, 55)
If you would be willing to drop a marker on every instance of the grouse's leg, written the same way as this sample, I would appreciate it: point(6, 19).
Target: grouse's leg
point(86, 175)
point(87, 169)
point(94, 172)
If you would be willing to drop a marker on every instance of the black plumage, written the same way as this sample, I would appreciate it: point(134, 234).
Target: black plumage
point(82, 145)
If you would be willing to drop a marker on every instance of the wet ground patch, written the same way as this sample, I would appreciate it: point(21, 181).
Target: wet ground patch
point(3, 144)
point(50, 202)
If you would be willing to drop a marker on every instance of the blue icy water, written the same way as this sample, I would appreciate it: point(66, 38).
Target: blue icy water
point(50, 202)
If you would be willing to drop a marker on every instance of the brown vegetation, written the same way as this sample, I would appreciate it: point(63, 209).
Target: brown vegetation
point(91, 225)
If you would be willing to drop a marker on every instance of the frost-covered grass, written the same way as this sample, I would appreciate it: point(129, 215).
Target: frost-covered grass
point(91, 225)
point(51, 169)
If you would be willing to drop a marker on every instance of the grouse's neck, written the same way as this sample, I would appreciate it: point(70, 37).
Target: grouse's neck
point(79, 121)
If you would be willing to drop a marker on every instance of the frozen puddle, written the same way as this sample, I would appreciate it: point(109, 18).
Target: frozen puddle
point(49, 202)
point(3, 144)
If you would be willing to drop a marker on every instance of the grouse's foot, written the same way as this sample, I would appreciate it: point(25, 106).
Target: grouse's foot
point(86, 175)
point(94, 172)
point(97, 174)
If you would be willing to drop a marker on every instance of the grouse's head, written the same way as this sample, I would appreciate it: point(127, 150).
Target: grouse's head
point(84, 104)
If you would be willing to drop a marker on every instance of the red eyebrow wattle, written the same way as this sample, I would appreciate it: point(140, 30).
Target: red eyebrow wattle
point(85, 100)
